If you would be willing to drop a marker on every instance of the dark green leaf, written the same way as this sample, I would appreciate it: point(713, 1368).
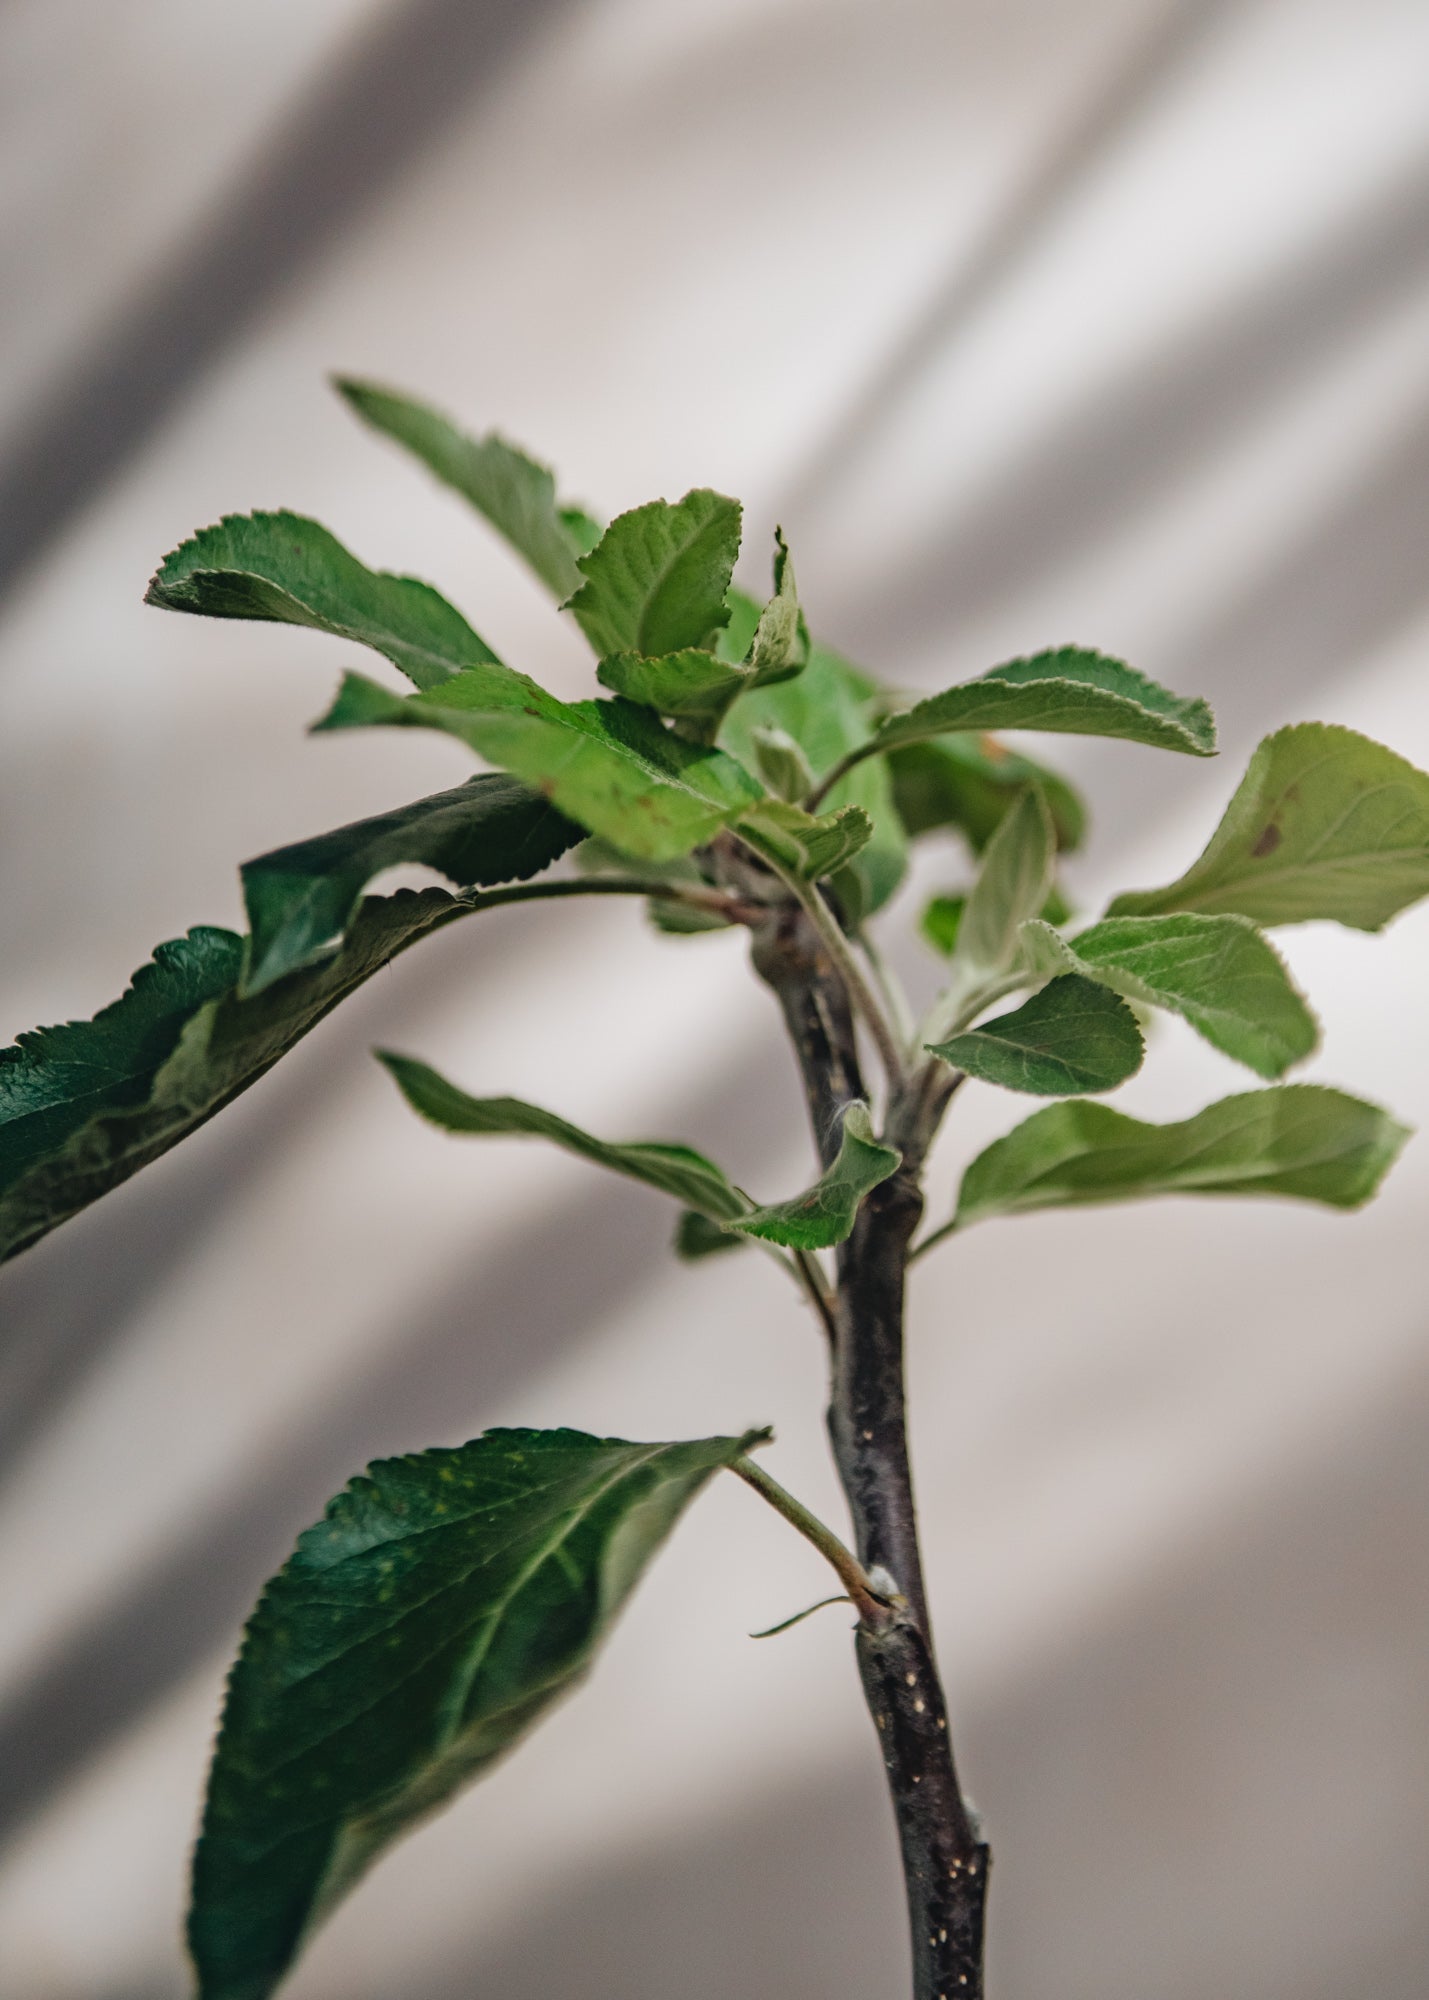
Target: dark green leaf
point(674, 1170)
point(514, 492)
point(1299, 1140)
point(809, 845)
point(828, 710)
point(301, 899)
point(608, 764)
point(85, 1106)
point(696, 1237)
point(656, 581)
point(969, 782)
point(825, 1214)
point(1071, 1038)
point(417, 1633)
point(1219, 973)
point(1325, 823)
point(290, 571)
point(1069, 690)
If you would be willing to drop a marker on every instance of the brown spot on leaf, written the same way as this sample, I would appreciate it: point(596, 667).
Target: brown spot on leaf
point(1268, 841)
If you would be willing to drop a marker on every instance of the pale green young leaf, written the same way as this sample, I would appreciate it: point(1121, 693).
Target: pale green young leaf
point(692, 686)
point(418, 1632)
point(290, 571)
point(674, 1170)
point(780, 646)
point(608, 764)
point(969, 782)
point(1012, 885)
point(1299, 1140)
point(1067, 689)
point(809, 845)
point(781, 763)
point(1071, 1038)
point(825, 1213)
point(1219, 973)
point(656, 581)
point(85, 1106)
point(1324, 824)
point(515, 493)
point(301, 899)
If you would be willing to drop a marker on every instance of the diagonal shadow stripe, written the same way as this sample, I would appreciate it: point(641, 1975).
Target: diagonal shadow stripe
point(1151, 429)
point(505, 1317)
point(379, 110)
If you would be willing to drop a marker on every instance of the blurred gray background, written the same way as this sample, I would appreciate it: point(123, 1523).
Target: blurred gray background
point(1031, 320)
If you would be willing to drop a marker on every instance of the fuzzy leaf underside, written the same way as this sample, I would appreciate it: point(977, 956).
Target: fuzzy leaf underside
point(85, 1106)
point(288, 570)
point(1325, 824)
point(1011, 887)
point(608, 764)
point(301, 899)
point(969, 782)
point(515, 493)
point(828, 710)
point(1299, 1140)
point(809, 845)
point(1218, 973)
point(824, 1214)
point(656, 581)
point(418, 1632)
point(675, 1170)
point(1071, 1038)
point(1067, 689)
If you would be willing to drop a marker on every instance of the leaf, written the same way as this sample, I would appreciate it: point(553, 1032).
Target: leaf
point(290, 571)
point(692, 686)
point(825, 1213)
point(608, 764)
point(1071, 1038)
point(656, 581)
point(674, 1170)
point(696, 1237)
point(444, 1603)
point(781, 763)
point(1324, 824)
point(1300, 1140)
point(807, 844)
point(1067, 689)
point(941, 921)
point(969, 782)
point(515, 493)
point(85, 1106)
point(780, 646)
point(301, 899)
point(1011, 887)
point(1219, 973)
point(828, 710)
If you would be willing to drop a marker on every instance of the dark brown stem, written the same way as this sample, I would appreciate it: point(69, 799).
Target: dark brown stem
point(945, 1862)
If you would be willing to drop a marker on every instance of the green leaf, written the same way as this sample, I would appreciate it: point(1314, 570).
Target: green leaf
point(515, 493)
point(1068, 689)
point(969, 782)
point(809, 845)
point(825, 1213)
point(446, 1600)
point(941, 921)
point(1219, 973)
point(692, 686)
point(781, 763)
point(656, 581)
point(828, 710)
point(674, 1170)
point(1300, 1140)
point(301, 899)
point(1324, 824)
point(1011, 887)
point(85, 1106)
point(608, 764)
point(696, 1237)
point(290, 571)
point(780, 646)
point(1071, 1038)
